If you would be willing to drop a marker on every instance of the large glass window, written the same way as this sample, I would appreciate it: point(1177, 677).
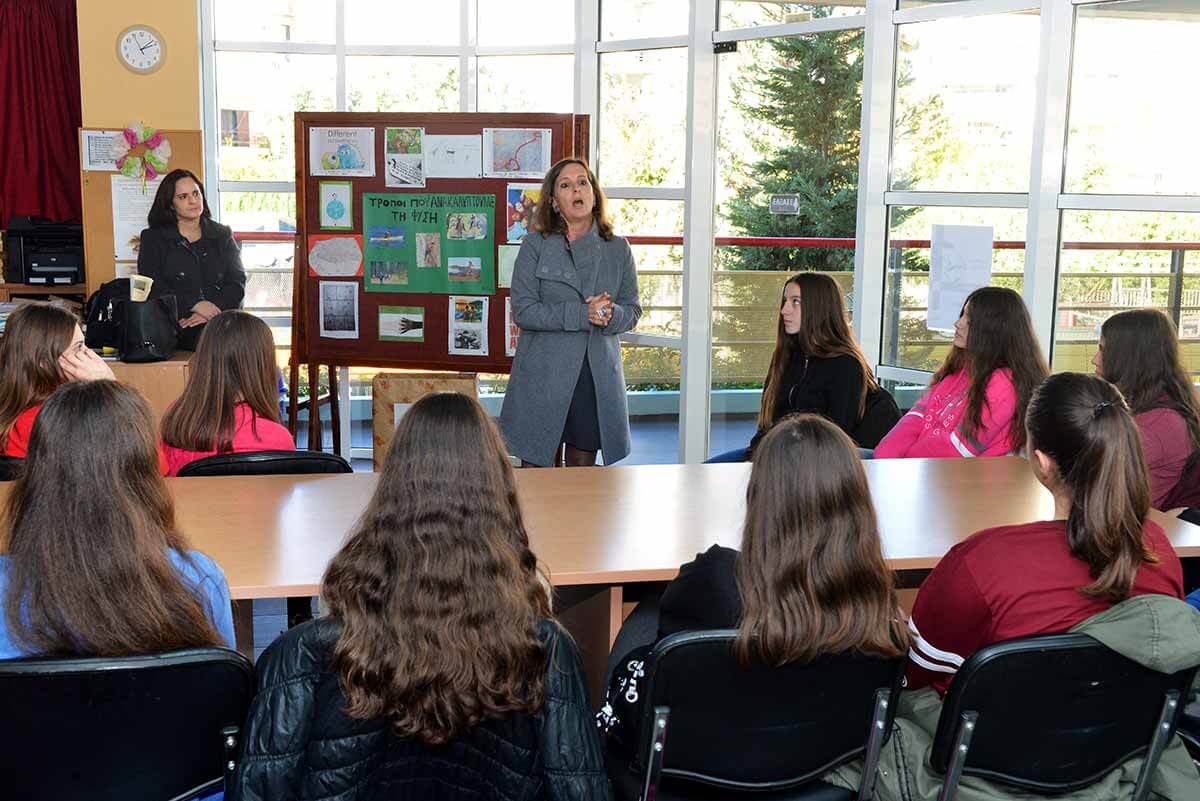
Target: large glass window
point(1113, 261)
point(750, 13)
point(1132, 126)
point(637, 19)
point(527, 83)
point(401, 83)
point(789, 111)
point(907, 339)
point(964, 104)
point(643, 113)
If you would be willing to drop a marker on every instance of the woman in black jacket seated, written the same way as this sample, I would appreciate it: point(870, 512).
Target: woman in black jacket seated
point(439, 672)
point(809, 580)
point(190, 256)
point(818, 367)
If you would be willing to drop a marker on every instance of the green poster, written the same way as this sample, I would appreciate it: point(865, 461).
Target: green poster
point(437, 243)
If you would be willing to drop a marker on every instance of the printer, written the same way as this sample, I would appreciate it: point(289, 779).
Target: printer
point(40, 252)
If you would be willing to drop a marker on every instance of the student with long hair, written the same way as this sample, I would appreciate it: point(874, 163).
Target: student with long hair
point(1044, 577)
point(810, 578)
point(1139, 353)
point(439, 666)
point(42, 349)
point(107, 574)
point(1101, 567)
point(976, 401)
point(230, 403)
point(816, 367)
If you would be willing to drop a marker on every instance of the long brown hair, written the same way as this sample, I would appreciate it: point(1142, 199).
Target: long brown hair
point(35, 336)
point(162, 209)
point(234, 363)
point(824, 333)
point(1141, 356)
point(89, 523)
point(811, 573)
point(436, 588)
point(548, 221)
point(1000, 336)
point(1082, 423)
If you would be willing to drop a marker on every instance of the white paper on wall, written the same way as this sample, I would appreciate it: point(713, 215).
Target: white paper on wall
point(960, 262)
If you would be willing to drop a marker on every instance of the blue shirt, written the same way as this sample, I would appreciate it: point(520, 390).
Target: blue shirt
point(201, 575)
point(1194, 599)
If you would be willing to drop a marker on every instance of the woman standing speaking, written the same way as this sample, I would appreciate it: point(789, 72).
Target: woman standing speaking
point(574, 290)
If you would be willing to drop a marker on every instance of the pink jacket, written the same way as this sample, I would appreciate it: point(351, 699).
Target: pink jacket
point(934, 427)
point(251, 433)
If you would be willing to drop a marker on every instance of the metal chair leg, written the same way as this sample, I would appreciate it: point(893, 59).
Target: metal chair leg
point(875, 739)
point(1158, 743)
point(229, 740)
point(958, 757)
point(654, 759)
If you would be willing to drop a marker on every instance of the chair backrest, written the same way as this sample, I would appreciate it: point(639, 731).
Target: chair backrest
point(131, 727)
point(1055, 713)
point(790, 723)
point(267, 463)
point(1186, 491)
point(10, 468)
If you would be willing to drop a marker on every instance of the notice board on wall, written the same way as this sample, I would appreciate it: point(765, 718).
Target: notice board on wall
point(407, 229)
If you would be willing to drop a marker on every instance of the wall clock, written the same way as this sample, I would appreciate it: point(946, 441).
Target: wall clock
point(141, 49)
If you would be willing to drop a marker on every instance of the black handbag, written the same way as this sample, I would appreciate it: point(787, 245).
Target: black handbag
point(103, 314)
point(149, 330)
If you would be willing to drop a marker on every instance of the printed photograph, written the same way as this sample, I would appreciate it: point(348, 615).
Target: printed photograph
point(522, 200)
point(388, 272)
point(385, 237)
point(466, 225)
point(339, 310)
point(464, 268)
point(404, 140)
point(402, 323)
point(429, 250)
point(468, 310)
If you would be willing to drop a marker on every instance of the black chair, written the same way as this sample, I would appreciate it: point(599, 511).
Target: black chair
point(1189, 729)
point(10, 468)
point(713, 727)
point(1054, 714)
point(267, 463)
point(154, 727)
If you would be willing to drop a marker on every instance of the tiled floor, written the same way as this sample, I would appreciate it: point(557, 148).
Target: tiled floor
point(655, 441)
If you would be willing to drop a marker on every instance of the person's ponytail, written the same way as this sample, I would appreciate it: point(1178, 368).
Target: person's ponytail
point(1111, 500)
point(1083, 423)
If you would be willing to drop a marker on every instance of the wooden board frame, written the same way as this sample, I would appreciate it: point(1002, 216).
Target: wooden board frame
point(570, 138)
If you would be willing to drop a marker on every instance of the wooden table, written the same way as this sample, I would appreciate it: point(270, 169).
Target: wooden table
point(601, 531)
point(160, 382)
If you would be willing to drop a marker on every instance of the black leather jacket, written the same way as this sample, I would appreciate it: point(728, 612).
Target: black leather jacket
point(208, 269)
point(299, 744)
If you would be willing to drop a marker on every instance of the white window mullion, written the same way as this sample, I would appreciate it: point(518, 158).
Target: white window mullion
point(698, 231)
point(587, 69)
point(650, 43)
point(1046, 171)
point(339, 25)
point(209, 115)
point(808, 27)
point(871, 229)
point(468, 81)
point(983, 200)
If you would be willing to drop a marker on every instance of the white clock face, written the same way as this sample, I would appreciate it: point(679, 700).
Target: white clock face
point(140, 49)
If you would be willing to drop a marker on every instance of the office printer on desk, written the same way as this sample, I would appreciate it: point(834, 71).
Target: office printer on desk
point(43, 252)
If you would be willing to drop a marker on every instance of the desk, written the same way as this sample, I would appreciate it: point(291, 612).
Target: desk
point(598, 530)
point(160, 382)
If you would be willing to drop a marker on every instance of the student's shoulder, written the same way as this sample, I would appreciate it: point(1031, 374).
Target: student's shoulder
point(1004, 541)
point(1000, 381)
point(197, 566)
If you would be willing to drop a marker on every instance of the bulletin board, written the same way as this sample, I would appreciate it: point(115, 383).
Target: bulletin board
point(99, 247)
point(407, 227)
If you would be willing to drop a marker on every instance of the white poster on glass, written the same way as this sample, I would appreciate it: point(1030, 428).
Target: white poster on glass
point(960, 262)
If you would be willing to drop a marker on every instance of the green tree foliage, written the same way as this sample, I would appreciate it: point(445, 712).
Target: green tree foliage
point(806, 94)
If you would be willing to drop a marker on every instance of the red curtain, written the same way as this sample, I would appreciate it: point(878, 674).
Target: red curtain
point(40, 110)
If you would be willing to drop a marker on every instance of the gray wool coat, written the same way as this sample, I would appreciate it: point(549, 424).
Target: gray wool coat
point(548, 306)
